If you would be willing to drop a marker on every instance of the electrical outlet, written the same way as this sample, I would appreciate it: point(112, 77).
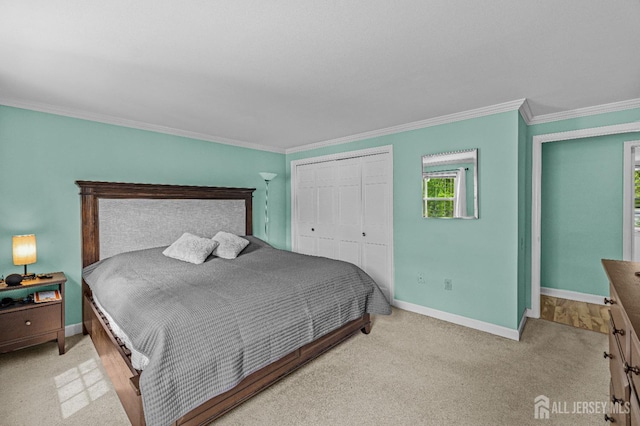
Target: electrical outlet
point(420, 278)
point(448, 284)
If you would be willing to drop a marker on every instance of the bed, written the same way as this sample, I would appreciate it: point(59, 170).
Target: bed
point(121, 218)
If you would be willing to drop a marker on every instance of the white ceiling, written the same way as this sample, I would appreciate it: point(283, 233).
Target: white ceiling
point(287, 73)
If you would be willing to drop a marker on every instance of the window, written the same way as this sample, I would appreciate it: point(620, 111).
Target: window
point(438, 194)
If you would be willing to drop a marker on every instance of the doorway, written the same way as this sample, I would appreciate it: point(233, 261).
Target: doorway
point(536, 192)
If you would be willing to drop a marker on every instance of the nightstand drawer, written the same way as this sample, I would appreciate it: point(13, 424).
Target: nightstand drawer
point(29, 322)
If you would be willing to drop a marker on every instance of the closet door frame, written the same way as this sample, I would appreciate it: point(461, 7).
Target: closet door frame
point(387, 149)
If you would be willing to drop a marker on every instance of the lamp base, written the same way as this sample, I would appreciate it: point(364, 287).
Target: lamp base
point(28, 276)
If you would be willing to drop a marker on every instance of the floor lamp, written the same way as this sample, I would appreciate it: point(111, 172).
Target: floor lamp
point(267, 177)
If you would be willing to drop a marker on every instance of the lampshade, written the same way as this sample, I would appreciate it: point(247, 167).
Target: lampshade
point(24, 249)
point(268, 176)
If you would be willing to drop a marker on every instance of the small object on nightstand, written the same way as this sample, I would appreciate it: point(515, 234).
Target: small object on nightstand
point(43, 276)
point(13, 280)
point(7, 301)
point(46, 296)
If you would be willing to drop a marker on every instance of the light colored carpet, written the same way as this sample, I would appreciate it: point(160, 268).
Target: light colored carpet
point(410, 370)
point(38, 387)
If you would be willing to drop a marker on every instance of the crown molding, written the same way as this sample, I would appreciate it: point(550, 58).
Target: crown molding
point(525, 112)
point(585, 112)
point(108, 119)
point(445, 119)
point(522, 105)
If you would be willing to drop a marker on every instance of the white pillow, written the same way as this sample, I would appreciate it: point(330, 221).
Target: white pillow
point(229, 245)
point(191, 248)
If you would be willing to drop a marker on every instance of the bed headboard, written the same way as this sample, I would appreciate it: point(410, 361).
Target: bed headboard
point(119, 217)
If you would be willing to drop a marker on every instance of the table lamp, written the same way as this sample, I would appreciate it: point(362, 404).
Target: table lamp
point(24, 252)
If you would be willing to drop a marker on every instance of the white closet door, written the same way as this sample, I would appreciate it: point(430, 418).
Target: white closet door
point(316, 209)
point(376, 217)
point(306, 209)
point(326, 206)
point(348, 232)
point(344, 211)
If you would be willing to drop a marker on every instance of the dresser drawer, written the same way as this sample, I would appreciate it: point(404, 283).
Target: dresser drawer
point(29, 322)
point(620, 324)
point(619, 383)
point(634, 362)
point(616, 360)
point(617, 412)
point(618, 338)
point(634, 410)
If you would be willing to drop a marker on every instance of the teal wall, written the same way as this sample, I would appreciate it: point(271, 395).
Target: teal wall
point(581, 199)
point(42, 155)
point(480, 256)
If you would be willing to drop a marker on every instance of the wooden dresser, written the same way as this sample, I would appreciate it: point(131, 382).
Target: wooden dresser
point(624, 345)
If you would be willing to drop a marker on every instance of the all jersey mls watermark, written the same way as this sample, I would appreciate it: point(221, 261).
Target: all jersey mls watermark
point(544, 408)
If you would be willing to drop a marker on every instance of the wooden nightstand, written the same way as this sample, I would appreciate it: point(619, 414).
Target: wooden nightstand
point(28, 324)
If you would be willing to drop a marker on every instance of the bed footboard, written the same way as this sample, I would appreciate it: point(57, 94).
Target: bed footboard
point(265, 377)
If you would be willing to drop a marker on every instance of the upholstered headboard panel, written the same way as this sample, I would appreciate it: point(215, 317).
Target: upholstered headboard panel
point(135, 224)
point(120, 217)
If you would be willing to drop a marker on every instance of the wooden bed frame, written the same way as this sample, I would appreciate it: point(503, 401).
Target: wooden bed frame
point(116, 358)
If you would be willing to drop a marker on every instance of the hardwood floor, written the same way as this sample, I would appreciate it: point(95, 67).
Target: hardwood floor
point(576, 314)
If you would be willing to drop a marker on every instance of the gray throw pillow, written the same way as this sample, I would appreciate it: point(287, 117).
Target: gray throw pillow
point(229, 245)
point(191, 248)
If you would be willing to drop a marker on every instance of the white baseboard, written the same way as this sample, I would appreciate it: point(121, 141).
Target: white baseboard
point(523, 321)
point(498, 330)
point(572, 295)
point(73, 329)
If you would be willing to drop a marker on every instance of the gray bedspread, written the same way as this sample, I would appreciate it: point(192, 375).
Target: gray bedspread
point(206, 327)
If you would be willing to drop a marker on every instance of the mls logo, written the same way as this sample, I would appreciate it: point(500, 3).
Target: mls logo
point(541, 407)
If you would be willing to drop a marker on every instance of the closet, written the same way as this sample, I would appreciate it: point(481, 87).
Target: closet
point(343, 209)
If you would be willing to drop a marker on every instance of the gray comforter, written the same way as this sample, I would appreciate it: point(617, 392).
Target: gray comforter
point(206, 327)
